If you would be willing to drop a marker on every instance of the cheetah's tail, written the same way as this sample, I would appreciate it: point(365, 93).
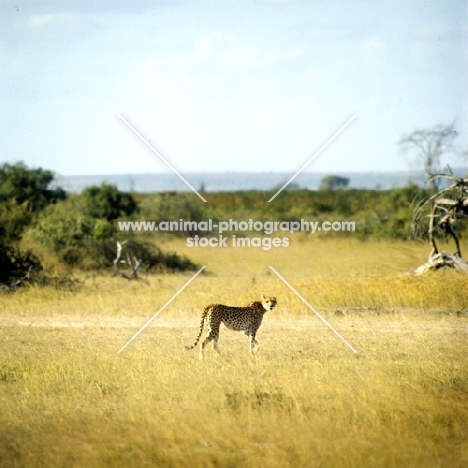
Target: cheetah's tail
point(200, 331)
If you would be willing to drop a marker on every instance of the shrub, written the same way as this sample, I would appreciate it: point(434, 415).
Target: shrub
point(332, 182)
point(30, 186)
point(80, 241)
point(107, 202)
point(23, 194)
point(16, 265)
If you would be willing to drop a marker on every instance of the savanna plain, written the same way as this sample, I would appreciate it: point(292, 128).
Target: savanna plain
point(304, 400)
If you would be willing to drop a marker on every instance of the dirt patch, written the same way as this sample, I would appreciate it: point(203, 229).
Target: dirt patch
point(90, 321)
point(361, 321)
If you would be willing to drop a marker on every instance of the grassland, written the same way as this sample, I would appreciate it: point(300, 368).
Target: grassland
point(68, 399)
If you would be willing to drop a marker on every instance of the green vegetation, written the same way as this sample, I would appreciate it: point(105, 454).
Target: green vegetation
point(107, 202)
point(377, 214)
point(43, 230)
point(171, 206)
point(24, 193)
point(332, 182)
point(80, 231)
point(16, 264)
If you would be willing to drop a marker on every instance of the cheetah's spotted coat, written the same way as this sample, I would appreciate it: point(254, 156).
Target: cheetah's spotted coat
point(247, 319)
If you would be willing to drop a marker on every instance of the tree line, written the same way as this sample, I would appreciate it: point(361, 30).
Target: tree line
point(44, 230)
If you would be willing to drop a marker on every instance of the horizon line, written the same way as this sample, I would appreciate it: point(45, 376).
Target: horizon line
point(368, 171)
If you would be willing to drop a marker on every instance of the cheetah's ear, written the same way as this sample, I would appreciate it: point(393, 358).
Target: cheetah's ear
point(263, 296)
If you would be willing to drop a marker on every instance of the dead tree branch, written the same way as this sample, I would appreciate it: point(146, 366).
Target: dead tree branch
point(13, 286)
point(132, 262)
point(444, 209)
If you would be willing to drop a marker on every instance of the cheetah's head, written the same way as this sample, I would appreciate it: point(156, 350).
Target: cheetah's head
point(268, 303)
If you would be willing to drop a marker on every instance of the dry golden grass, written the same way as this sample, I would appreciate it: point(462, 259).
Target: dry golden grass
point(68, 399)
point(330, 274)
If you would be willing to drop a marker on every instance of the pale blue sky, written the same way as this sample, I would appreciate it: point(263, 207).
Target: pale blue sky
point(227, 86)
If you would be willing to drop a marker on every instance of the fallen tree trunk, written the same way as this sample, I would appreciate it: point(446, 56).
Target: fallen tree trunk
point(440, 260)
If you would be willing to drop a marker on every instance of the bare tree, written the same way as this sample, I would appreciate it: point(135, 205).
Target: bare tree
point(443, 210)
point(131, 262)
point(429, 146)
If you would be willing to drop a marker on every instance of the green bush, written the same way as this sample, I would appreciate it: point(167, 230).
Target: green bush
point(333, 182)
point(78, 240)
point(24, 193)
point(14, 219)
point(171, 206)
point(16, 264)
point(22, 185)
point(394, 213)
point(107, 202)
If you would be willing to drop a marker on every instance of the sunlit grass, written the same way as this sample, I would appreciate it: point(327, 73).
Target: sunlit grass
point(305, 400)
point(329, 274)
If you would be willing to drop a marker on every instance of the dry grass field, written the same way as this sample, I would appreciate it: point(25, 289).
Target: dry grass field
point(305, 400)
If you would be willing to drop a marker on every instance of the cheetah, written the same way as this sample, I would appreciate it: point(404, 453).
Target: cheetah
point(247, 319)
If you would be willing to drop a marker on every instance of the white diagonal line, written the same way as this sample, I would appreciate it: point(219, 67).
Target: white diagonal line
point(312, 158)
point(161, 309)
point(159, 155)
point(313, 310)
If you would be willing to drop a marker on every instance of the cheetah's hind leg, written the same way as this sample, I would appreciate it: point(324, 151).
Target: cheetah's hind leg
point(254, 344)
point(215, 345)
point(211, 337)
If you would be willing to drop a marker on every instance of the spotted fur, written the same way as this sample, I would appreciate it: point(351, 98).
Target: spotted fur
point(247, 319)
